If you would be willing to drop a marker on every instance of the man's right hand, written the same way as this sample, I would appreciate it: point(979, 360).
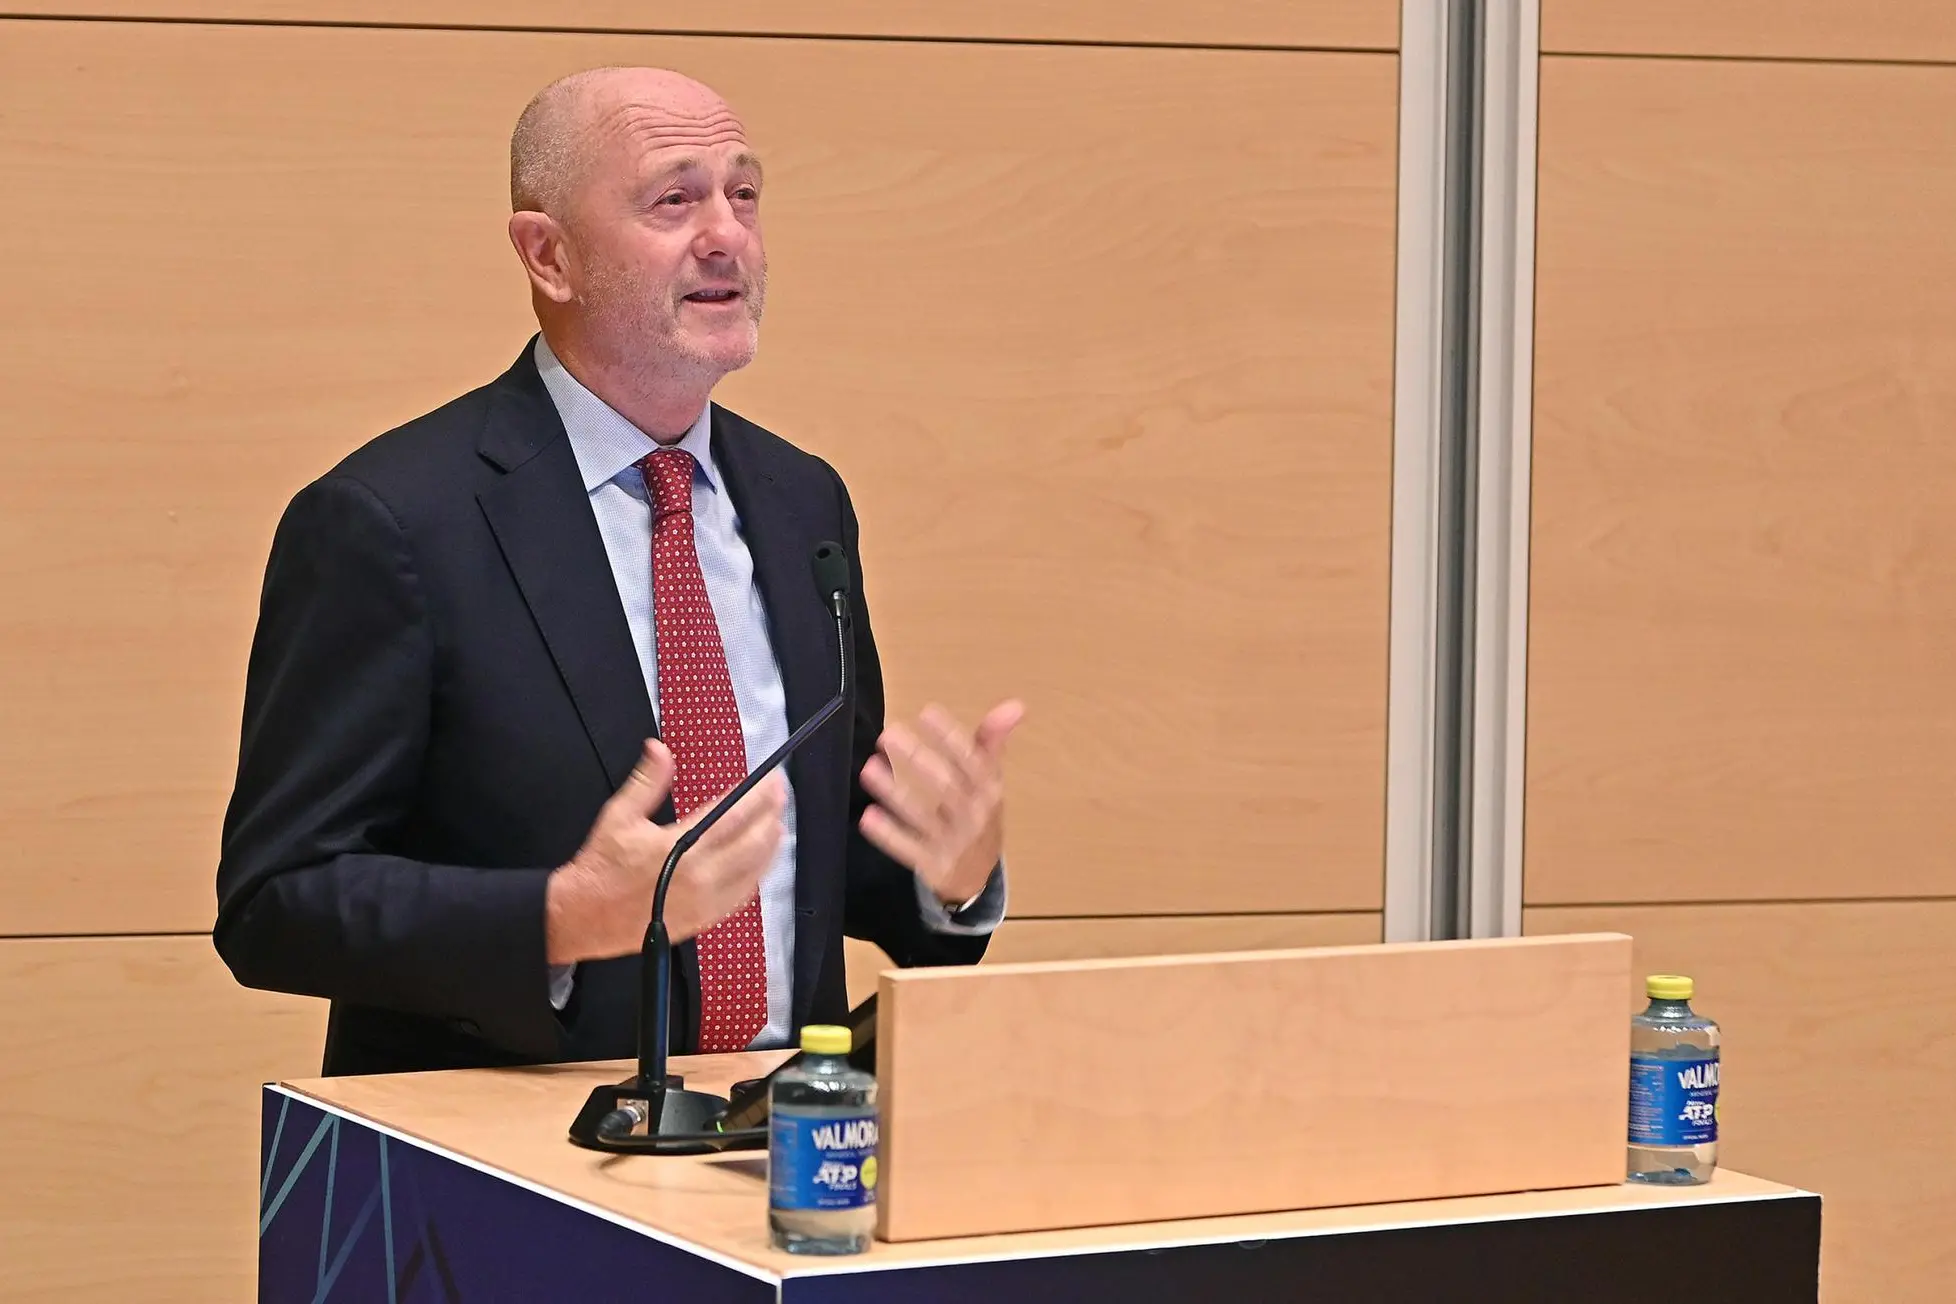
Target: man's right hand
point(600, 904)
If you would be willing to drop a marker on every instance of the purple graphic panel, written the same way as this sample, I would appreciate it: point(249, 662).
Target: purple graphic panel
point(348, 1213)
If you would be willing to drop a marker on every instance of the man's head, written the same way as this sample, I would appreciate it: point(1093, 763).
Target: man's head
point(637, 215)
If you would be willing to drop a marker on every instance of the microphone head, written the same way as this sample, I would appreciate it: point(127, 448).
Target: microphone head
point(831, 567)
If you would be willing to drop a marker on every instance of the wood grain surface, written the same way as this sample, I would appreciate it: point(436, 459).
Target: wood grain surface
point(1839, 1026)
point(1760, 29)
point(1082, 939)
point(1393, 1068)
point(1743, 604)
point(512, 1121)
point(129, 1081)
point(1336, 24)
point(1110, 381)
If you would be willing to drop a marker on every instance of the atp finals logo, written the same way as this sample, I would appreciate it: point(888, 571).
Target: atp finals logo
point(848, 1150)
point(1699, 1081)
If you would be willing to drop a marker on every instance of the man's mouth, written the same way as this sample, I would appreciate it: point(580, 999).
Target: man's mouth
point(713, 296)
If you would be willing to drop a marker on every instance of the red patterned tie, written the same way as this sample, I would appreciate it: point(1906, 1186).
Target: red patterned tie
point(699, 720)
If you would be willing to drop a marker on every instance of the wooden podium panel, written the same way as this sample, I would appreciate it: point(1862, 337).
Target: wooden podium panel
point(1080, 1093)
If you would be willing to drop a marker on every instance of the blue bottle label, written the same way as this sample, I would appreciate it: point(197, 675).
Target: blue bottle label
point(1673, 1102)
point(822, 1163)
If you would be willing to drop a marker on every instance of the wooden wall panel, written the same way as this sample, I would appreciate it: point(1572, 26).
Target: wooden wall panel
point(1089, 939)
point(1840, 1048)
point(1787, 29)
point(1743, 600)
point(1110, 380)
point(129, 1072)
point(1338, 24)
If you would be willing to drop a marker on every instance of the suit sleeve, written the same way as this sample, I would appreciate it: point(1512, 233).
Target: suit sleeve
point(337, 708)
point(881, 902)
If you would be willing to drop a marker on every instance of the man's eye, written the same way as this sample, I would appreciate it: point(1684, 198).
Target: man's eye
point(675, 199)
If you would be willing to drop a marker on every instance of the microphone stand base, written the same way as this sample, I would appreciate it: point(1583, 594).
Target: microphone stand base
point(616, 1116)
point(691, 1111)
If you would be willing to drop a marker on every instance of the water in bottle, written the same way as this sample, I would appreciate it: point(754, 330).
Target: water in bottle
point(1673, 1088)
point(822, 1134)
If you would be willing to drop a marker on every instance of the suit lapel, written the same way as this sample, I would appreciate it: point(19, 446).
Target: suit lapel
point(781, 542)
point(543, 523)
point(781, 538)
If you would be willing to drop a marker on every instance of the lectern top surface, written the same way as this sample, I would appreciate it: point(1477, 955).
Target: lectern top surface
point(511, 1122)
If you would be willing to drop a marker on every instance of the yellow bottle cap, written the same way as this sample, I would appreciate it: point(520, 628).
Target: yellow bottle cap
point(825, 1039)
point(1668, 987)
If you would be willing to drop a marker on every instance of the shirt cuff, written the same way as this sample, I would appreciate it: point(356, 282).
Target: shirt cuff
point(978, 917)
point(561, 976)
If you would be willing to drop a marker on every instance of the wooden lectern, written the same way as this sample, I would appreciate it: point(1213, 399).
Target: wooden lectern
point(1424, 1122)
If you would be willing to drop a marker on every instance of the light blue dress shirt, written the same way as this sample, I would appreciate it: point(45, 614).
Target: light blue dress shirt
point(608, 449)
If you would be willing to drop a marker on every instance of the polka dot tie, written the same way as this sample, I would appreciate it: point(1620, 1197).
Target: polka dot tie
point(699, 720)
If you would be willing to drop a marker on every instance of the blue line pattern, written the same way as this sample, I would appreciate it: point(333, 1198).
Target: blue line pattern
point(360, 1221)
point(447, 1233)
point(387, 1219)
point(326, 1209)
point(292, 1178)
point(271, 1152)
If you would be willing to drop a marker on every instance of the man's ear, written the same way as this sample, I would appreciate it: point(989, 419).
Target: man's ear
point(546, 255)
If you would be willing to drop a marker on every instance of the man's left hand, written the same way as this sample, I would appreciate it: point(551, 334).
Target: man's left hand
point(939, 794)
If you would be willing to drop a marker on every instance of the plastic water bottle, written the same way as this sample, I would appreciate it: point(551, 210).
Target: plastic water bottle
point(821, 1157)
point(1673, 1088)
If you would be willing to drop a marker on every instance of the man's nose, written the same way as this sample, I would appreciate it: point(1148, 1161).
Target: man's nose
point(721, 231)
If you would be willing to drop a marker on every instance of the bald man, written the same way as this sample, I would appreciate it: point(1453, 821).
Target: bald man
point(509, 651)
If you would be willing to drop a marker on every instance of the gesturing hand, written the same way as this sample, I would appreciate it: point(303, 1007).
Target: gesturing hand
point(599, 904)
point(939, 798)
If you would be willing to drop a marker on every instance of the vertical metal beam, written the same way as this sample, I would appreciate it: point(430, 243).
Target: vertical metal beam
point(1412, 765)
point(1504, 362)
point(1460, 468)
point(1460, 323)
point(1429, 798)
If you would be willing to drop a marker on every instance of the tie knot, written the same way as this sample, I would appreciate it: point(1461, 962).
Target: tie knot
point(669, 480)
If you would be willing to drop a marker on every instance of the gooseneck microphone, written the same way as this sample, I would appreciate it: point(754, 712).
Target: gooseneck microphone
point(653, 1112)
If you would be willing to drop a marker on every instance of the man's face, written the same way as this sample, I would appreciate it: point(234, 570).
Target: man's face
point(666, 232)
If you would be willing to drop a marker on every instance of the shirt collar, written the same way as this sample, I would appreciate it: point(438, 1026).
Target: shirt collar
point(605, 443)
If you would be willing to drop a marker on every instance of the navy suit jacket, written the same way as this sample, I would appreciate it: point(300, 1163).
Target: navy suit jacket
point(443, 691)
